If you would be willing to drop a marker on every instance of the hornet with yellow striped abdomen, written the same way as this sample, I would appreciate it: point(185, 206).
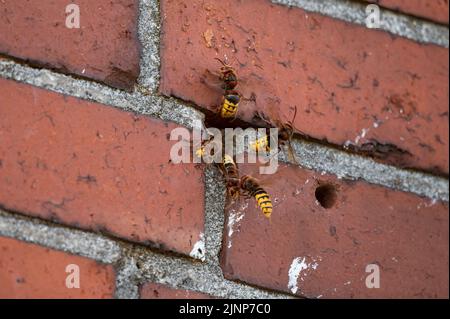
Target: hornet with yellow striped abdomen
point(230, 102)
point(251, 187)
point(231, 97)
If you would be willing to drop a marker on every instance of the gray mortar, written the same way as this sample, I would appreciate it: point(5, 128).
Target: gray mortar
point(148, 32)
point(214, 217)
point(344, 165)
point(399, 24)
point(167, 109)
point(72, 241)
point(181, 273)
point(127, 280)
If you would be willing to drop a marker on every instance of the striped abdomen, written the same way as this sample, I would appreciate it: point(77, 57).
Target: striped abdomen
point(252, 187)
point(264, 201)
point(230, 104)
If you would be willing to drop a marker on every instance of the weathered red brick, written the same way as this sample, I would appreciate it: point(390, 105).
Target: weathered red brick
point(405, 235)
point(96, 167)
point(104, 48)
point(385, 94)
point(435, 10)
point(156, 291)
point(31, 271)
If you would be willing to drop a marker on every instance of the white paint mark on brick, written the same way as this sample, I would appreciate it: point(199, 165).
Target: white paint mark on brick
point(299, 269)
point(362, 135)
point(298, 264)
point(198, 251)
point(235, 217)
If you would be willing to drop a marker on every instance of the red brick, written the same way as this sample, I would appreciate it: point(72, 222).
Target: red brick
point(288, 57)
point(435, 10)
point(104, 48)
point(156, 291)
point(32, 271)
point(96, 167)
point(407, 236)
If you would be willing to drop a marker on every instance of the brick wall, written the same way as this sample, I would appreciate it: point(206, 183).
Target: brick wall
point(91, 205)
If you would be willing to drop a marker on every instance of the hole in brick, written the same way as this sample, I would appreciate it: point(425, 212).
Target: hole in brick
point(326, 195)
